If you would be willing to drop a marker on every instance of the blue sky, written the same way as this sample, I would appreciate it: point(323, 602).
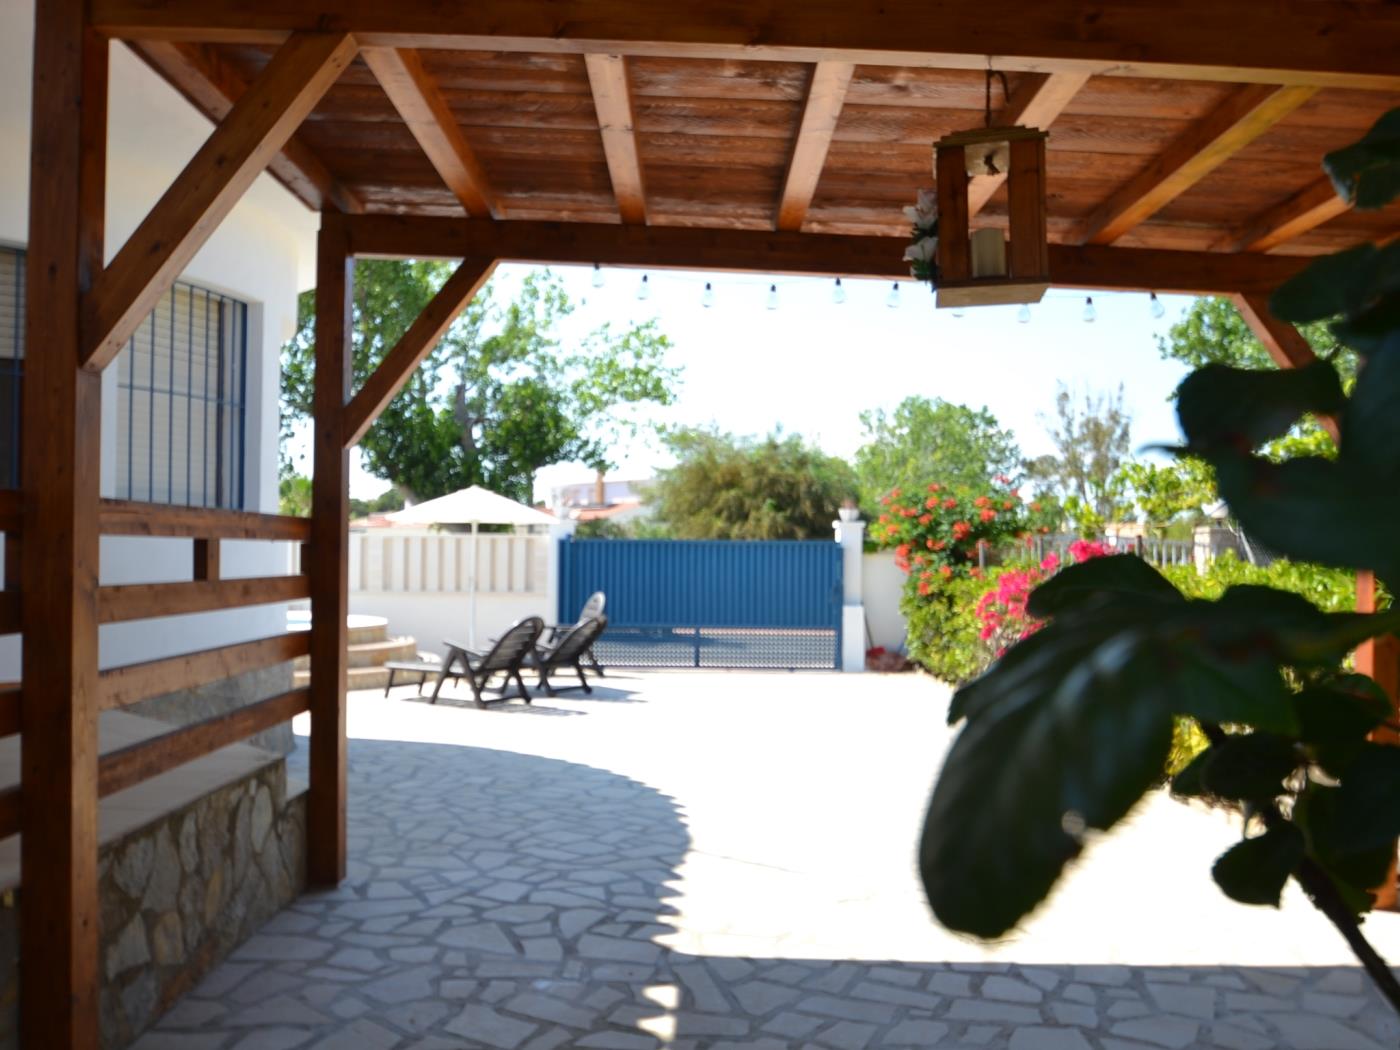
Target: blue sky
point(811, 366)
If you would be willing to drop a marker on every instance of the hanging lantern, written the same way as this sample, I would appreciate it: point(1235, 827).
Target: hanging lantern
point(982, 267)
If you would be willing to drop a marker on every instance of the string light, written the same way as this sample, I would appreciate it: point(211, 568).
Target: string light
point(892, 300)
point(597, 276)
point(838, 293)
point(1023, 315)
point(1155, 308)
point(1090, 314)
point(958, 312)
point(707, 298)
point(772, 297)
point(644, 288)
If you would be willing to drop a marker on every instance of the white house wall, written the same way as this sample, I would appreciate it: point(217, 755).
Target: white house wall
point(262, 254)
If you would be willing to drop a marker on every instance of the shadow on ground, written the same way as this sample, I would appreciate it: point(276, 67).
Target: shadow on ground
point(508, 901)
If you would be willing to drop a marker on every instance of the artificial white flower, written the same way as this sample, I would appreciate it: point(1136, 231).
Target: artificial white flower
point(922, 250)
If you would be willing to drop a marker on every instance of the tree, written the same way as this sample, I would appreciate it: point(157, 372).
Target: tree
point(1071, 726)
point(936, 440)
point(499, 397)
point(1166, 492)
point(1092, 439)
point(729, 488)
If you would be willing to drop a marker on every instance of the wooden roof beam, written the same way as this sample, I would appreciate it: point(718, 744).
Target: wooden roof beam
point(826, 94)
point(612, 98)
point(1198, 151)
point(255, 130)
point(1307, 209)
point(1331, 43)
point(418, 99)
point(812, 254)
point(212, 86)
point(1036, 102)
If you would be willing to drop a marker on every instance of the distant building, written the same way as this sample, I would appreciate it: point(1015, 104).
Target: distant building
point(618, 501)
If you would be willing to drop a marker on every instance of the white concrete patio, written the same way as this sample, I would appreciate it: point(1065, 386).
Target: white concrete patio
point(709, 859)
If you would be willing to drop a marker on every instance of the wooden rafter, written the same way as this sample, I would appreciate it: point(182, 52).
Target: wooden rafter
point(424, 334)
point(210, 84)
point(1305, 210)
point(1036, 102)
point(255, 130)
point(612, 98)
point(1203, 147)
point(825, 96)
point(1324, 42)
point(419, 100)
point(813, 254)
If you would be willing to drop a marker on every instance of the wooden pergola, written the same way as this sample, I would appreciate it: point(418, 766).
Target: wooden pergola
point(772, 136)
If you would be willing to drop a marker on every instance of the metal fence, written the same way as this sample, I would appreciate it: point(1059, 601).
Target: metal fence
point(181, 392)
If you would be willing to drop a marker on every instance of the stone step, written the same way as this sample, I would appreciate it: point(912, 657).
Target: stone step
point(373, 654)
point(356, 678)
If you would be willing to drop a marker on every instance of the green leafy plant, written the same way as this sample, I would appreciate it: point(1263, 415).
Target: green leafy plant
point(1071, 726)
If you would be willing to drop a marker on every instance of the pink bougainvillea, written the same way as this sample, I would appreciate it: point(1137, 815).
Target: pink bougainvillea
point(1001, 611)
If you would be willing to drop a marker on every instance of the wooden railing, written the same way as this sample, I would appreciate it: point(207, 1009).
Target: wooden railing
point(123, 686)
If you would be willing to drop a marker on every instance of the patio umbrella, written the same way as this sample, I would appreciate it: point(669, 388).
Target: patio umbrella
point(474, 506)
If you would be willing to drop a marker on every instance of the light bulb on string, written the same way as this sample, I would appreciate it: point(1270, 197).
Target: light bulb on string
point(892, 300)
point(1023, 315)
point(958, 313)
point(597, 276)
point(1090, 314)
point(772, 297)
point(644, 288)
point(1155, 307)
point(838, 293)
point(707, 298)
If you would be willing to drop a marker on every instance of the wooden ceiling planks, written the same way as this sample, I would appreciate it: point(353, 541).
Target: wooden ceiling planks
point(721, 142)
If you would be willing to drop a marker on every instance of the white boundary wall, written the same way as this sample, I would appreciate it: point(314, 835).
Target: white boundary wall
point(419, 579)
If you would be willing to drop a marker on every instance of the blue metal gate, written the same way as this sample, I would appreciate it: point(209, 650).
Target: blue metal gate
point(709, 603)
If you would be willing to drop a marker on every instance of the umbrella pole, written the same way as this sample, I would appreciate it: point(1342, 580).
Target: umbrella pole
point(471, 629)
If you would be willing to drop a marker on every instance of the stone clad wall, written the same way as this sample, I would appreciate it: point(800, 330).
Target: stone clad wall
point(177, 896)
point(222, 696)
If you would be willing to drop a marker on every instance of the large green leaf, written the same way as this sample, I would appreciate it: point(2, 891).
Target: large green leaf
point(1101, 581)
point(1043, 759)
point(1355, 871)
point(1241, 687)
point(1249, 767)
point(1371, 422)
point(1367, 173)
point(1333, 719)
point(1313, 509)
point(1253, 871)
point(1331, 286)
point(1367, 815)
point(1242, 408)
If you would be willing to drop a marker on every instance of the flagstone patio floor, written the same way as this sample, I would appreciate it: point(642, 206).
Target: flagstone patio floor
point(724, 860)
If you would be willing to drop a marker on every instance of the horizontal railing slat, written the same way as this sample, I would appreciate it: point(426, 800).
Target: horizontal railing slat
point(130, 518)
point(139, 601)
point(9, 812)
point(135, 763)
point(10, 712)
point(133, 683)
point(11, 510)
point(9, 612)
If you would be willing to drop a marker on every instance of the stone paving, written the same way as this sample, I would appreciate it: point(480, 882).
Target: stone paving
point(518, 901)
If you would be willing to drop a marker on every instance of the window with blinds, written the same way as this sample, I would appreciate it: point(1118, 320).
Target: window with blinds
point(181, 388)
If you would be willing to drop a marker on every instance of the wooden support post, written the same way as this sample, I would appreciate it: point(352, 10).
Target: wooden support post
point(954, 248)
point(60, 471)
point(330, 549)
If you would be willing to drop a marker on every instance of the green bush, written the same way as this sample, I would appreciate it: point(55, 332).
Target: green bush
point(1332, 590)
point(943, 628)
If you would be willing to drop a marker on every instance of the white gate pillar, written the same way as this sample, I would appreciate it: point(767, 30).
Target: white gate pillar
point(850, 533)
point(562, 529)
